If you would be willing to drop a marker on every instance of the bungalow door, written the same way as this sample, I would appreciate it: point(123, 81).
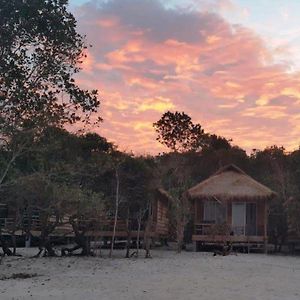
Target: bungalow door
point(238, 218)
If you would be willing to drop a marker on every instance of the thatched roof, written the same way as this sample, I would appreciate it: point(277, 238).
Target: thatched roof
point(230, 182)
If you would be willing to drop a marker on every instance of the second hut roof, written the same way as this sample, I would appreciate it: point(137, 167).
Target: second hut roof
point(230, 182)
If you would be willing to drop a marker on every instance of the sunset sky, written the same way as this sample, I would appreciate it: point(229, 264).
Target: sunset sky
point(232, 65)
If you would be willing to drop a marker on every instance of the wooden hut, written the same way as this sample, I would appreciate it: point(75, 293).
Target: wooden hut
point(230, 206)
point(158, 222)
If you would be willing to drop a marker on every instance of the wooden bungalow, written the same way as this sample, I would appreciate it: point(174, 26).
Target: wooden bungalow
point(158, 222)
point(230, 207)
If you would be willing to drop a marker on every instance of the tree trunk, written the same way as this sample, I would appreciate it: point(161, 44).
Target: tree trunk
point(282, 242)
point(5, 248)
point(28, 240)
point(128, 242)
point(45, 245)
point(86, 249)
point(100, 246)
point(147, 239)
point(8, 166)
point(45, 241)
point(116, 213)
point(276, 245)
point(14, 243)
point(138, 234)
point(180, 234)
point(82, 242)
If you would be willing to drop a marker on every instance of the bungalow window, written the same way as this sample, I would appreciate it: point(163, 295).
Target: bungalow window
point(214, 212)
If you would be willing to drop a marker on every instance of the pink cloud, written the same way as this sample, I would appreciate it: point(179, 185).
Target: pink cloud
point(147, 59)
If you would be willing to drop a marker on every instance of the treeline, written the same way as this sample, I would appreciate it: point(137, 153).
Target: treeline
point(87, 179)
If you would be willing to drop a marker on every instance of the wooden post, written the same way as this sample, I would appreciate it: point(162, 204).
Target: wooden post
point(266, 228)
point(117, 202)
point(248, 245)
point(195, 220)
point(28, 241)
point(194, 246)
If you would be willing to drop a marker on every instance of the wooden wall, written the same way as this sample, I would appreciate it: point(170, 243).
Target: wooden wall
point(161, 217)
point(261, 206)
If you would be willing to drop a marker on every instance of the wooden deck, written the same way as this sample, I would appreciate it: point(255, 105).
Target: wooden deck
point(103, 228)
point(100, 227)
point(228, 238)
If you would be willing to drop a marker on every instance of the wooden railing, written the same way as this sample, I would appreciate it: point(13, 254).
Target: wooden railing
point(203, 228)
point(9, 223)
point(223, 229)
point(34, 224)
point(6, 222)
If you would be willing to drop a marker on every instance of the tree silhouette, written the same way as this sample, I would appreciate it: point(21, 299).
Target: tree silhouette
point(179, 133)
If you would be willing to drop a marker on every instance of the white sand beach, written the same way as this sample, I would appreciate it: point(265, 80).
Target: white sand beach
point(166, 276)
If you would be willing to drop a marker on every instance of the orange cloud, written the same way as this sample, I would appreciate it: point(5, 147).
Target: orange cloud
point(108, 22)
point(159, 104)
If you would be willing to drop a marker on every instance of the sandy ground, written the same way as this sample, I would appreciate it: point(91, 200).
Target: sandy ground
point(166, 276)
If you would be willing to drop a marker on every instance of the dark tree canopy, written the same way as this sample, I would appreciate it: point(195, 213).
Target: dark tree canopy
point(40, 52)
point(215, 142)
point(179, 133)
